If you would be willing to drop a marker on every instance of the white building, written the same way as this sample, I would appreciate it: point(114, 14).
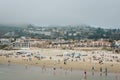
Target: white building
point(5, 41)
point(23, 43)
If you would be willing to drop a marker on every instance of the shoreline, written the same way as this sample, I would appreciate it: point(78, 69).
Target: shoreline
point(74, 63)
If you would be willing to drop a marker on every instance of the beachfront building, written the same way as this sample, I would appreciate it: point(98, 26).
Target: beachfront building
point(61, 44)
point(71, 44)
point(23, 42)
point(41, 44)
point(92, 43)
point(117, 47)
point(21, 45)
point(101, 43)
point(5, 41)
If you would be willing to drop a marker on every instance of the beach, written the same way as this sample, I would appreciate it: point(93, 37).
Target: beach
point(54, 58)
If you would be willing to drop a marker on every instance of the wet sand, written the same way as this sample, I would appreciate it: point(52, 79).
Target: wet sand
point(19, 72)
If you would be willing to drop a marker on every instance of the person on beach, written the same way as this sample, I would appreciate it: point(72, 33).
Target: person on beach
point(26, 66)
point(85, 76)
point(65, 71)
point(93, 70)
point(83, 59)
point(116, 76)
point(9, 62)
point(106, 71)
point(54, 71)
point(61, 70)
point(100, 71)
point(58, 61)
point(43, 68)
point(65, 61)
point(61, 67)
point(71, 69)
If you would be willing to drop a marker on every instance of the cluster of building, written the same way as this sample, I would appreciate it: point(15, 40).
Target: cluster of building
point(27, 42)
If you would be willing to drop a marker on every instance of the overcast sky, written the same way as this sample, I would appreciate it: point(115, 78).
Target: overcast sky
point(61, 12)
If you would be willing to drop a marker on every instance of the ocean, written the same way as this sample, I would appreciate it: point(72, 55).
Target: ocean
point(23, 72)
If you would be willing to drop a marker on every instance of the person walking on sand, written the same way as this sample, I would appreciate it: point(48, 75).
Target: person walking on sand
point(100, 71)
point(71, 69)
point(116, 76)
point(106, 71)
point(65, 71)
point(43, 68)
point(93, 70)
point(9, 62)
point(54, 71)
point(85, 76)
point(26, 66)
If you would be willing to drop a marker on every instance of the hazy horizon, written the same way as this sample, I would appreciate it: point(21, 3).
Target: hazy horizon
point(103, 13)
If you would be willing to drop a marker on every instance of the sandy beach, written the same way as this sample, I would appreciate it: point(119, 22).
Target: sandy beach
point(53, 58)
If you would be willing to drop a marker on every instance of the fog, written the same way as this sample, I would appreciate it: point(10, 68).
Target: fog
point(61, 12)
